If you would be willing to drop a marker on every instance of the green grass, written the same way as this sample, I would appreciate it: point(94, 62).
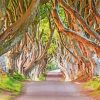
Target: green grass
point(12, 84)
point(18, 77)
point(42, 77)
point(93, 84)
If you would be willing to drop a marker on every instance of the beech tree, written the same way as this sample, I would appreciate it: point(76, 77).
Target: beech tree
point(76, 24)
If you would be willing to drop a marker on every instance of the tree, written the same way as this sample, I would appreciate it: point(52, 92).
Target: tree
point(29, 32)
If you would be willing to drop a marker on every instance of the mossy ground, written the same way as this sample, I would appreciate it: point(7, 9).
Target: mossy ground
point(10, 86)
point(94, 85)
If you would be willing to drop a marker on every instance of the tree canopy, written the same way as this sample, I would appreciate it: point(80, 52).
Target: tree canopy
point(33, 32)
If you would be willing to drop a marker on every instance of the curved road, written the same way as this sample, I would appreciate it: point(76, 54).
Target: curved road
point(52, 90)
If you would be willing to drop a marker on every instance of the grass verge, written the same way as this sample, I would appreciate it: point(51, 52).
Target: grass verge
point(11, 83)
point(41, 77)
point(94, 85)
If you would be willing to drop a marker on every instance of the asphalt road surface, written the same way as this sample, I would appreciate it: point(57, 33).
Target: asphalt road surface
point(52, 89)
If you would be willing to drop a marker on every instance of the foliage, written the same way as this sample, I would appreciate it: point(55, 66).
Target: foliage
point(41, 77)
point(77, 19)
point(51, 66)
point(18, 77)
point(10, 84)
point(44, 26)
point(93, 83)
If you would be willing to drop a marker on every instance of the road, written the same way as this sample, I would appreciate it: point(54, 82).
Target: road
point(52, 90)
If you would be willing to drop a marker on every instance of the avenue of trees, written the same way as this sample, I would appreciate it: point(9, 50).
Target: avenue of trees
point(35, 32)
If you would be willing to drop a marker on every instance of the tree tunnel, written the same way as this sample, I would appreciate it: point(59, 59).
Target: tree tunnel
point(35, 32)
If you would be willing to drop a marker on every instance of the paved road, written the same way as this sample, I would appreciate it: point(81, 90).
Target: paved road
point(54, 76)
point(52, 90)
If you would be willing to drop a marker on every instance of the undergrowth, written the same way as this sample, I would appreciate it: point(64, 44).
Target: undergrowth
point(93, 84)
point(11, 83)
point(42, 77)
